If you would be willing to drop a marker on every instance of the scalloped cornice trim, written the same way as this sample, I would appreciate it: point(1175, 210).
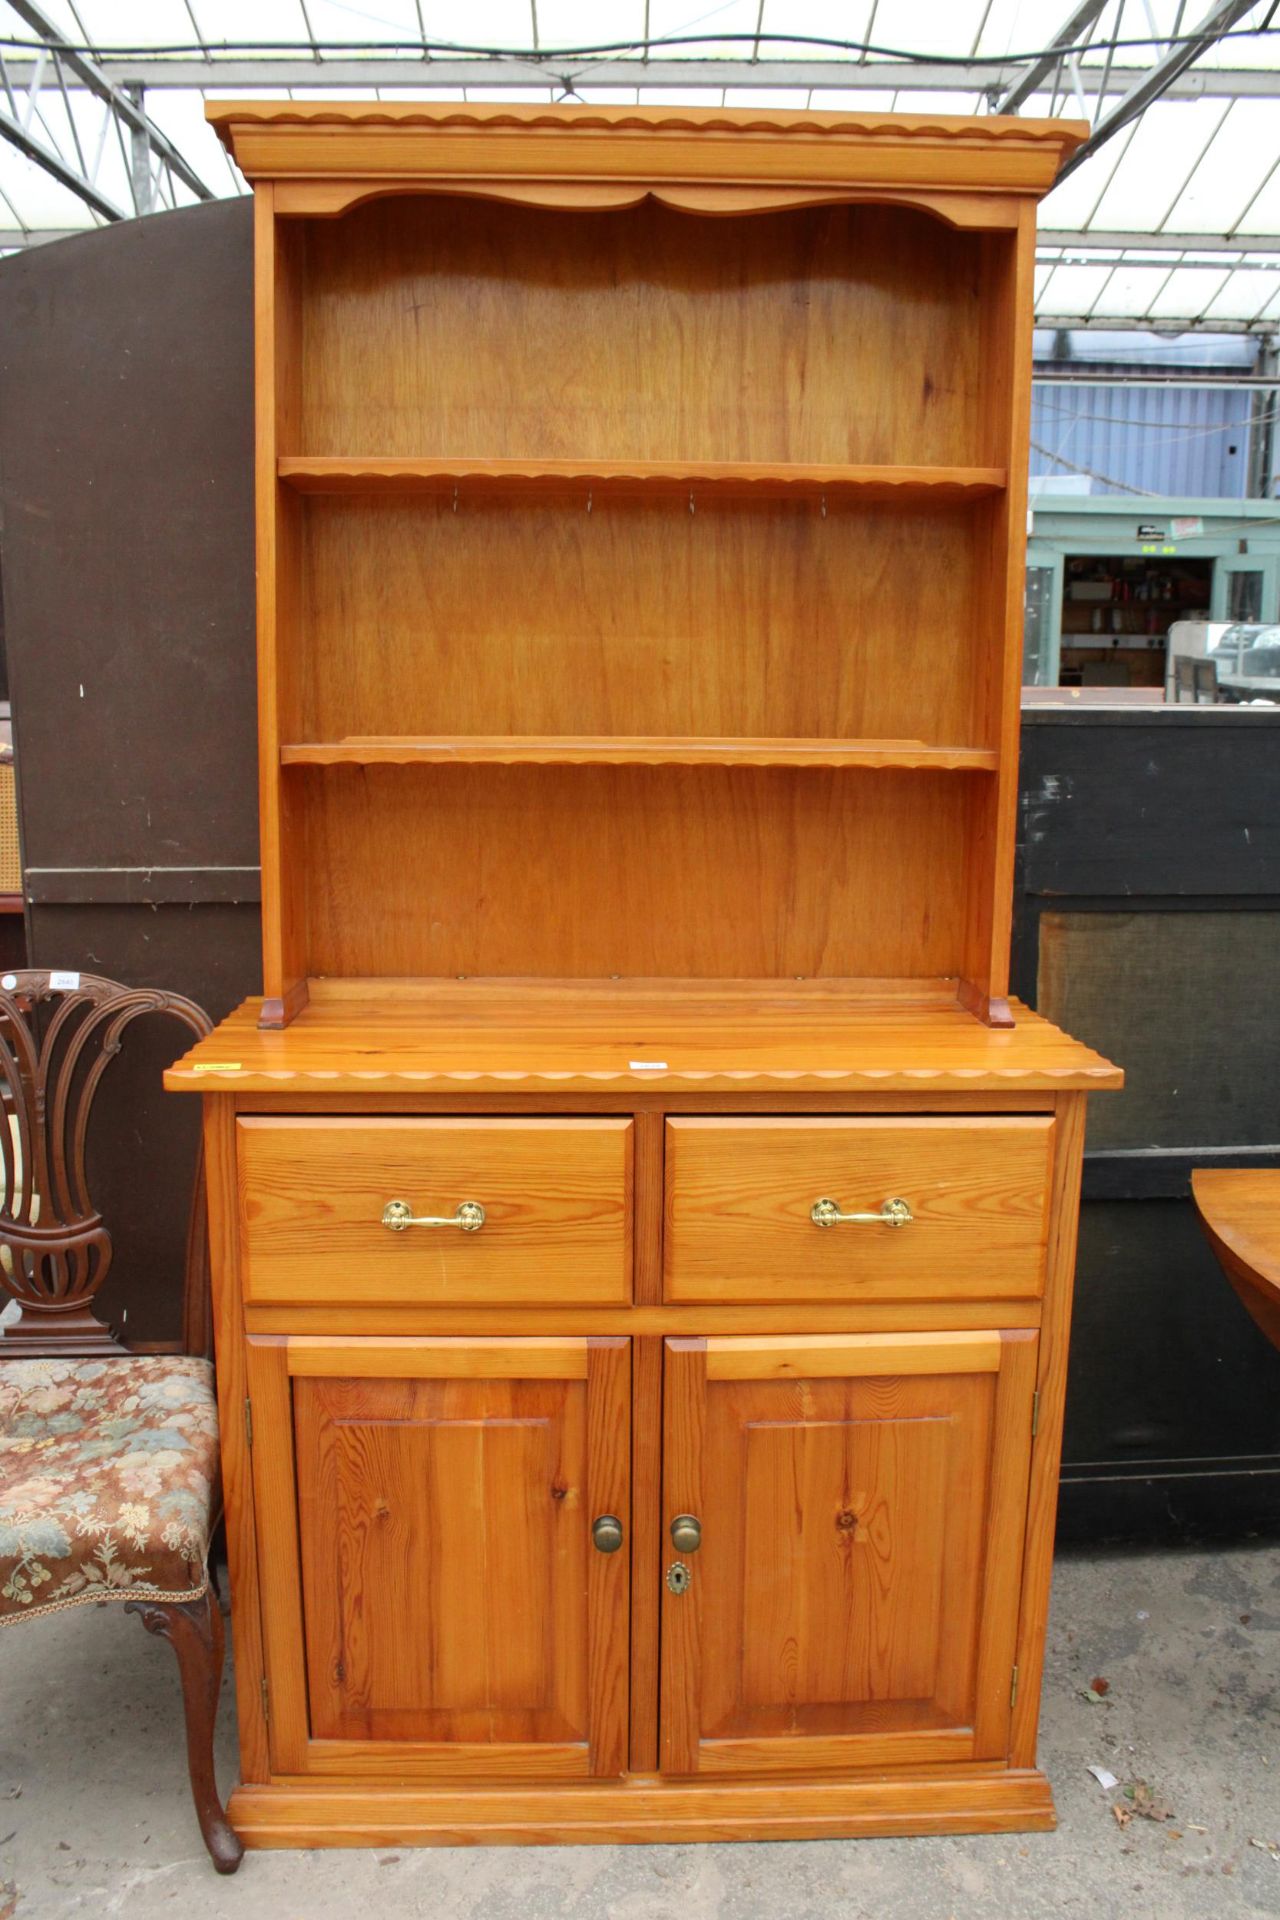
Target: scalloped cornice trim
point(887, 126)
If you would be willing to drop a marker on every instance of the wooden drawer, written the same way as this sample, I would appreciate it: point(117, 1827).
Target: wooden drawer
point(556, 1196)
point(739, 1194)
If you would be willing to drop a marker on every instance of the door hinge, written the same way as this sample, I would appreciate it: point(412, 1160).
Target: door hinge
point(1035, 1413)
point(1013, 1691)
point(266, 1700)
point(248, 1422)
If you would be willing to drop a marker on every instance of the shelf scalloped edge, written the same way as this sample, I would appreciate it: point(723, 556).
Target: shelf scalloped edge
point(536, 750)
point(326, 474)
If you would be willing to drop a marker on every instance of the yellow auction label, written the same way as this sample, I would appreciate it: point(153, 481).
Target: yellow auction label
point(216, 1066)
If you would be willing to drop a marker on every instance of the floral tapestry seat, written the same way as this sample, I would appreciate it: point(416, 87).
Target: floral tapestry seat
point(108, 1471)
point(109, 1481)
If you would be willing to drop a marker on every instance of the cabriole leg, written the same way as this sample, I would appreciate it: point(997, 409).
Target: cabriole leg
point(193, 1629)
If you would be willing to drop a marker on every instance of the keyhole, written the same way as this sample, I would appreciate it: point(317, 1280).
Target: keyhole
point(846, 1521)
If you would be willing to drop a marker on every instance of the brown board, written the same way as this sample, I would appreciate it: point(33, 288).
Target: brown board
point(126, 437)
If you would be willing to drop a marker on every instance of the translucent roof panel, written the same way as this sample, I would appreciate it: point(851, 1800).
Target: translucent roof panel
point(1173, 221)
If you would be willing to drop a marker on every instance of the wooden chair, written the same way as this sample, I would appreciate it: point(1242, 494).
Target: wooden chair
point(108, 1460)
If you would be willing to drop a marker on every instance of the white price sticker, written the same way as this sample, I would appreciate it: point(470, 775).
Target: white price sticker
point(65, 982)
point(647, 1066)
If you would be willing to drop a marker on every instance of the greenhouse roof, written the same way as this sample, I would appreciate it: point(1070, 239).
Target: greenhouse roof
point(1170, 220)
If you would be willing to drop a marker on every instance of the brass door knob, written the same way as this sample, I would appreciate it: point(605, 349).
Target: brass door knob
point(686, 1533)
point(606, 1533)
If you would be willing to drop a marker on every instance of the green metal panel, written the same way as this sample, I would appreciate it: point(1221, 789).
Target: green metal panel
point(1262, 596)
point(1068, 526)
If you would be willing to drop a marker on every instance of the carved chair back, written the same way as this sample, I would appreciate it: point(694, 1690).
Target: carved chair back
point(56, 1043)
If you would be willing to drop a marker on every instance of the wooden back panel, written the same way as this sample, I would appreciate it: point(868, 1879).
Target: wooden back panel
point(742, 617)
point(458, 326)
point(667, 872)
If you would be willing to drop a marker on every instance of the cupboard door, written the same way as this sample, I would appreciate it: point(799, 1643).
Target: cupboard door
point(853, 1599)
point(434, 1601)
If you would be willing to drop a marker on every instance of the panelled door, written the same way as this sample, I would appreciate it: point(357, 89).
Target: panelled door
point(843, 1526)
point(444, 1538)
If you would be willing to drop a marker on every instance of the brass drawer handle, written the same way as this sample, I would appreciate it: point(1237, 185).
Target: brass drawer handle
point(398, 1214)
point(894, 1213)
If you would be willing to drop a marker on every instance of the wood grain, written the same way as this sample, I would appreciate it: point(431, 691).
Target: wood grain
point(327, 473)
point(483, 543)
point(740, 1191)
point(646, 1548)
point(431, 327)
point(608, 1605)
point(556, 1193)
point(684, 1410)
point(678, 871)
point(275, 1489)
point(818, 1356)
point(744, 617)
point(1011, 1443)
point(1001, 530)
point(638, 1039)
point(1046, 1454)
point(427, 1357)
point(958, 207)
point(849, 1601)
point(512, 749)
point(443, 1611)
point(359, 1320)
point(958, 1800)
point(277, 523)
point(639, 641)
point(765, 1099)
point(1240, 1213)
point(716, 160)
point(234, 1452)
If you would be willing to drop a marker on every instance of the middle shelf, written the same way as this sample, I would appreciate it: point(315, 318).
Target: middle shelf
point(631, 750)
point(727, 478)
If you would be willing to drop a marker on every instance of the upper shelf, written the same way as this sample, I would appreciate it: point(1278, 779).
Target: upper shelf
point(628, 750)
point(908, 484)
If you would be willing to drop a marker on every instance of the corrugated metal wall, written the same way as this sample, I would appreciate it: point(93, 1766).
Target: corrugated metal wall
point(1183, 441)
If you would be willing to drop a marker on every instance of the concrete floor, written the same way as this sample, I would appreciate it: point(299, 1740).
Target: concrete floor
point(95, 1819)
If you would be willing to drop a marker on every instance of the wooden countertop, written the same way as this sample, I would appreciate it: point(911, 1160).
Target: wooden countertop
point(699, 1036)
point(1240, 1209)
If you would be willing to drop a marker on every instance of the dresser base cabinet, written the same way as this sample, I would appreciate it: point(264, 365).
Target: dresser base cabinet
point(646, 1570)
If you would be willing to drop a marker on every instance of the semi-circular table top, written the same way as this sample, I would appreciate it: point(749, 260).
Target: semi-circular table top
point(1240, 1210)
